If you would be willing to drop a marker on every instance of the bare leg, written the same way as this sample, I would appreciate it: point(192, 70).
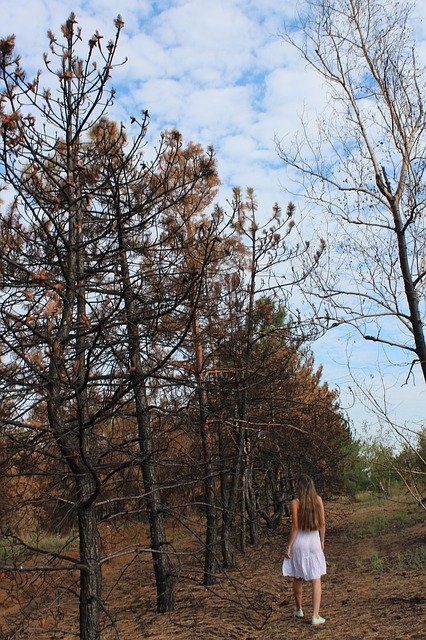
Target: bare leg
point(297, 590)
point(316, 596)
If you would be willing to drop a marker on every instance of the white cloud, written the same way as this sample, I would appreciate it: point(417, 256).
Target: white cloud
point(216, 70)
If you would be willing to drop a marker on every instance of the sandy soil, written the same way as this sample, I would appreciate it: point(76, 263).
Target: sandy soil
point(374, 590)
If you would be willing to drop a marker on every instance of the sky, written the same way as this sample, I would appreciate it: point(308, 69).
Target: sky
point(218, 71)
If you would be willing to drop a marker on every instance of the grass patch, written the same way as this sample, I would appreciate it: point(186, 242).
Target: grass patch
point(368, 499)
point(377, 563)
point(52, 541)
point(412, 558)
point(274, 631)
point(377, 523)
point(13, 551)
point(372, 499)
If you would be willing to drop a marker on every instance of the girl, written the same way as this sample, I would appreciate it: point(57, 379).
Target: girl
point(304, 558)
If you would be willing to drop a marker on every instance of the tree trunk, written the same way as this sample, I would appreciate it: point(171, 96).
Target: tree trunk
point(410, 291)
point(162, 566)
point(230, 502)
point(251, 505)
point(227, 558)
point(242, 410)
point(210, 563)
point(161, 562)
point(86, 491)
point(243, 519)
point(90, 581)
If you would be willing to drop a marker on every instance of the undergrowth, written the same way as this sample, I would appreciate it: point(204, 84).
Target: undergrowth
point(15, 551)
point(377, 523)
point(414, 558)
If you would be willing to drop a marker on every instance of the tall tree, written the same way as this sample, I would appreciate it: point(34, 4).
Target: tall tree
point(95, 295)
point(152, 208)
point(49, 339)
point(258, 271)
point(366, 168)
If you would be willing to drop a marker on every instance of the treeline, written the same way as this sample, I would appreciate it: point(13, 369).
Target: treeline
point(150, 366)
point(385, 469)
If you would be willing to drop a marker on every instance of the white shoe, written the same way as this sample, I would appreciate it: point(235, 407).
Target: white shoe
point(298, 613)
point(317, 620)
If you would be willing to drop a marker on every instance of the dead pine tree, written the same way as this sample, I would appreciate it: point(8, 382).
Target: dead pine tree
point(153, 206)
point(265, 265)
point(94, 300)
point(51, 339)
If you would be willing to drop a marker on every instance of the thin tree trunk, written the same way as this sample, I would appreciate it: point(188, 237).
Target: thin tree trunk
point(210, 562)
point(247, 458)
point(243, 511)
point(410, 292)
point(223, 475)
point(230, 504)
point(163, 569)
point(161, 562)
point(274, 487)
point(251, 506)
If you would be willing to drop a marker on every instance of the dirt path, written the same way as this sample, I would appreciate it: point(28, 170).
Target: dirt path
point(370, 592)
point(374, 589)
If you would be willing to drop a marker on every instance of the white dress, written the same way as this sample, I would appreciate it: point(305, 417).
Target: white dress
point(307, 558)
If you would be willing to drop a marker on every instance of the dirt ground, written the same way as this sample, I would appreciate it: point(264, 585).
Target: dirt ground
point(374, 588)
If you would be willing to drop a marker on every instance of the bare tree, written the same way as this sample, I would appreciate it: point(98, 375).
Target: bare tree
point(366, 167)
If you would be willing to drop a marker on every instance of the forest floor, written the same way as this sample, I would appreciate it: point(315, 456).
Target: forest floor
point(374, 588)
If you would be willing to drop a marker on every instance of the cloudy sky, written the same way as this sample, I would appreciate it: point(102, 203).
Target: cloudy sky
point(218, 71)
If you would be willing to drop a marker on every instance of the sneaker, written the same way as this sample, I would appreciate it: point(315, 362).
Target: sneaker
point(317, 620)
point(298, 613)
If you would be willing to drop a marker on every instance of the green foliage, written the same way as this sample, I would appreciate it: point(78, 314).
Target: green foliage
point(17, 551)
point(411, 463)
point(355, 478)
point(268, 316)
point(370, 466)
point(11, 552)
point(380, 460)
point(375, 465)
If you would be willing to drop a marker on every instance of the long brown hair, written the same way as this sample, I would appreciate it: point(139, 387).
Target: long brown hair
point(310, 512)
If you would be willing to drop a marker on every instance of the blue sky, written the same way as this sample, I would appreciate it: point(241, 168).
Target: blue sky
point(217, 71)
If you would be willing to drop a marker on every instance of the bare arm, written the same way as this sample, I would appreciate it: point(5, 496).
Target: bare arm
point(322, 527)
point(294, 505)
